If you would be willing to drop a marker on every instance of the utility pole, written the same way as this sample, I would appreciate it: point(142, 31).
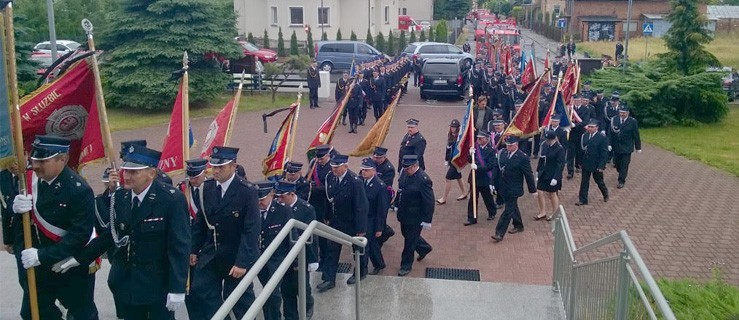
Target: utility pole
point(628, 30)
point(52, 29)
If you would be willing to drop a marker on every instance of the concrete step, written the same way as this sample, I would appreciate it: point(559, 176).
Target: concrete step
point(402, 298)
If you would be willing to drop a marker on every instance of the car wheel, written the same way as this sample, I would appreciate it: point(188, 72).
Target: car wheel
point(424, 96)
point(327, 66)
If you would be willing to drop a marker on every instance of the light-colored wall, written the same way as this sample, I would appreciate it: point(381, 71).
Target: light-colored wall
point(547, 6)
point(418, 9)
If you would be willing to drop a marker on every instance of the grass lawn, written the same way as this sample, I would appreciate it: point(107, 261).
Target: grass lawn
point(713, 144)
point(724, 47)
point(120, 119)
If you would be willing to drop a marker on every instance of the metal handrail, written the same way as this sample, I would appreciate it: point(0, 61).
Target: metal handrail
point(314, 227)
point(564, 277)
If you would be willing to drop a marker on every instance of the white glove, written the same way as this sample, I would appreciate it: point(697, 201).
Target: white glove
point(175, 300)
point(426, 225)
point(22, 203)
point(64, 265)
point(472, 150)
point(312, 267)
point(610, 148)
point(553, 183)
point(473, 166)
point(446, 163)
point(535, 194)
point(492, 188)
point(29, 257)
point(638, 151)
point(603, 131)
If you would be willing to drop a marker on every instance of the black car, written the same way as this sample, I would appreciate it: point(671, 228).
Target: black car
point(443, 77)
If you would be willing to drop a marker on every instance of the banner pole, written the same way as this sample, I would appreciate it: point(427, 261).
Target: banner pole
point(185, 111)
point(99, 98)
point(237, 100)
point(473, 172)
point(18, 149)
point(293, 126)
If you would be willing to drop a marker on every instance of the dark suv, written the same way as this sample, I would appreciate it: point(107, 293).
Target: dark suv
point(443, 77)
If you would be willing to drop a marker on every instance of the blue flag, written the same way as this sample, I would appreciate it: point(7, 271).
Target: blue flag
point(559, 109)
point(352, 73)
point(522, 63)
point(6, 133)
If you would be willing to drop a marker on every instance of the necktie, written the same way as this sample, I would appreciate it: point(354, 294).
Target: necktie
point(220, 191)
point(136, 203)
point(591, 136)
point(622, 121)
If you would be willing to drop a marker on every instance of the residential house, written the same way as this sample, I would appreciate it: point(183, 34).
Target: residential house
point(419, 10)
point(725, 17)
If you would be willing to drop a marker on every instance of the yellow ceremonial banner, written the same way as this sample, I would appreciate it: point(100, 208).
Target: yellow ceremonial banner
point(376, 136)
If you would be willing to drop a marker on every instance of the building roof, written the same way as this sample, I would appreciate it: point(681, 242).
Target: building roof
point(723, 12)
point(652, 16)
point(599, 19)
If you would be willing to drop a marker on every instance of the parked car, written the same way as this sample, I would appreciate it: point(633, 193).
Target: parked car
point(42, 51)
point(427, 50)
point(339, 55)
point(264, 55)
point(729, 81)
point(443, 77)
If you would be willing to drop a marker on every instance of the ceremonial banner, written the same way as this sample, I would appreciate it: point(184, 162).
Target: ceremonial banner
point(173, 149)
point(326, 132)
point(526, 121)
point(376, 136)
point(547, 65)
point(529, 74)
point(461, 151)
point(569, 83)
point(6, 134)
point(274, 164)
point(219, 132)
point(558, 107)
point(66, 108)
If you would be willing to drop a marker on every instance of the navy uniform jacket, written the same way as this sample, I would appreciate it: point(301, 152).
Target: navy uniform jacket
point(68, 203)
point(485, 161)
point(302, 211)
point(314, 79)
point(584, 113)
point(379, 201)
point(341, 88)
point(365, 85)
point(302, 188)
point(163, 177)
point(273, 219)
point(236, 221)
point(8, 191)
point(318, 190)
point(415, 198)
point(386, 172)
point(378, 88)
point(155, 261)
point(348, 203)
point(609, 112)
point(561, 136)
point(413, 144)
point(355, 98)
point(551, 163)
point(625, 136)
point(596, 151)
point(510, 173)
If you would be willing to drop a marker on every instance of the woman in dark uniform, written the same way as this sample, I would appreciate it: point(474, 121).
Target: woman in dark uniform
point(452, 173)
point(549, 172)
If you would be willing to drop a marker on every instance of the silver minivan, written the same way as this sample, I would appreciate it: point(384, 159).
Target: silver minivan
point(427, 50)
point(338, 55)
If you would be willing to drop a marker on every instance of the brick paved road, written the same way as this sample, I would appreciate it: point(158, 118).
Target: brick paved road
point(680, 213)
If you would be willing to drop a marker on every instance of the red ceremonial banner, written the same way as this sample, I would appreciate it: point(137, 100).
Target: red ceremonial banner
point(173, 149)
point(526, 121)
point(218, 130)
point(274, 163)
point(66, 108)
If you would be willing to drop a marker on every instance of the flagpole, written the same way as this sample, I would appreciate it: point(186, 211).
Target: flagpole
point(18, 149)
point(473, 192)
point(99, 98)
point(237, 100)
point(185, 111)
point(294, 124)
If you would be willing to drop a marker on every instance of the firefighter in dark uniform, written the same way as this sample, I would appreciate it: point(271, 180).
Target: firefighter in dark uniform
point(161, 175)
point(354, 106)
point(415, 211)
point(225, 235)
point(345, 191)
point(302, 211)
point(507, 98)
point(595, 147)
point(586, 91)
point(413, 143)
point(600, 104)
point(314, 81)
point(149, 231)
point(379, 201)
point(386, 172)
point(512, 167)
point(477, 79)
point(366, 99)
point(549, 171)
point(624, 139)
point(377, 84)
point(8, 191)
point(63, 214)
point(342, 87)
point(294, 174)
point(575, 153)
point(320, 168)
point(483, 163)
point(274, 217)
point(195, 172)
point(611, 111)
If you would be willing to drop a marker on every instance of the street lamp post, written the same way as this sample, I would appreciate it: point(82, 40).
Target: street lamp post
point(628, 30)
point(52, 29)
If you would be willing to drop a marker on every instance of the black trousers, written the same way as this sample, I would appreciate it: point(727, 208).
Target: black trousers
point(193, 301)
point(487, 197)
point(413, 242)
point(379, 108)
point(363, 111)
point(585, 184)
point(271, 308)
point(416, 78)
point(73, 289)
point(511, 212)
point(289, 289)
point(313, 96)
point(154, 311)
point(374, 247)
point(573, 152)
point(214, 286)
point(331, 265)
point(353, 116)
point(622, 161)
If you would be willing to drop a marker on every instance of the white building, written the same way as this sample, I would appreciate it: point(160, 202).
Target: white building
point(328, 15)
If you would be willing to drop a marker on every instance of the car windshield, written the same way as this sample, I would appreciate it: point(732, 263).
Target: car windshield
point(249, 47)
point(440, 68)
point(410, 48)
point(73, 46)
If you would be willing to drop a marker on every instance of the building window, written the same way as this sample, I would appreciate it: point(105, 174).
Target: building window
point(296, 16)
point(323, 14)
point(405, 11)
point(556, 10)
point(387, 15)
point(273, 11)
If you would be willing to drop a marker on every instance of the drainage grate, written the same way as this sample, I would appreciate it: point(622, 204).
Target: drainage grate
point(345, 267)
point(453, 274)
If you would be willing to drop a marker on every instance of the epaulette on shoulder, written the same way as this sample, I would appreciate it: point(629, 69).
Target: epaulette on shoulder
point(304, 203)
point(247, 184)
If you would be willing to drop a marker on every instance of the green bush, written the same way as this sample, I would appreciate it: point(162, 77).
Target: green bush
point(338, 34)
point(281, 44)
point(422, 37)
point(369, 39)
point(353, 36)
point(442, 34)
point(391, 44)
point(431, 34)
point(402, 42)
point(380, 42)
point(658, 97)
point(413, 36)
point(250, 38)
point(324, 37)
point(310, 44)
point(265, 44)
point(294, 50)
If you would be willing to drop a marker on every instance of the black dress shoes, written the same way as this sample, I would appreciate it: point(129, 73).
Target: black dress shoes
point(376, 271)
point(422, 256)
point(353, 280)
point(580, 203)
point(496, 238)
point(325, 286)
point(515, 230)
point(403, 272)
point(469, 223)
